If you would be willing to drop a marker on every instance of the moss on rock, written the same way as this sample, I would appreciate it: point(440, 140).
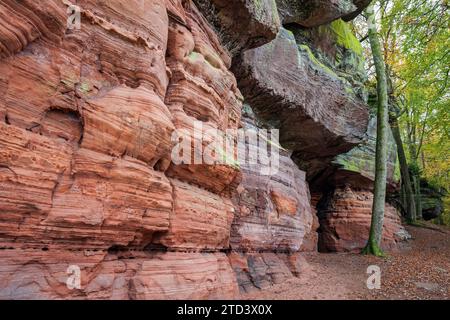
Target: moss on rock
point(345, 37)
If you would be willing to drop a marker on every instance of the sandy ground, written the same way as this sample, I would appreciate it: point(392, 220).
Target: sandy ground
point(419, 270)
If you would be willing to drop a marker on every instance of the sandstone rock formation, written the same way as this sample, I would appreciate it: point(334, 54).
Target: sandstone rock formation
point(86, 140)
point(90, 119)
point(344, 210)
point(242, 24)
point(31, 274)
point(357, 167)
point(316, 116)
point(273, 212)
point(345, 216)
point(312, 13)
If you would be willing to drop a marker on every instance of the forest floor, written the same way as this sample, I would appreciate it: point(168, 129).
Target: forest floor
point(419, 270)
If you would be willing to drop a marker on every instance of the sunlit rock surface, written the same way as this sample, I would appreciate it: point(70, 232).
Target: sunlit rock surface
point(89, 119)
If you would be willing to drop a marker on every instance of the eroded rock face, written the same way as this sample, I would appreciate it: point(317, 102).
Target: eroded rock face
point(317, 117)
point(89, 119)
point(30, 274)
point(357, 167)
point(200, 219)
point(345, 213)
point(257, 271)
point(345, 216)
point(312, 13)
point(337, 49)
point(273, 218)
point(259, 19)
point(86, 135)
point(432, 200)
point(273, 212)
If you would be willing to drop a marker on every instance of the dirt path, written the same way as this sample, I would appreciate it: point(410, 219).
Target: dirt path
point(420, 270)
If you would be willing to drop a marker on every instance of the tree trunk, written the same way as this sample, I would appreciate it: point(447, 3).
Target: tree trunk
point(418, 198)
point(379, 197)
point(403, 198)
point(407, 189)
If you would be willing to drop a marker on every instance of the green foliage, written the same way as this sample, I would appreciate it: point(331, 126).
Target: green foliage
point(416, 44)
point(446, 215)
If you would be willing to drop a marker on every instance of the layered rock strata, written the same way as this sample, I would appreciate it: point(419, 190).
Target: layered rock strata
point(318, 119)
point(345, 216)
point(312, 13)
point(345, 208)
point(87, 127)
point(96, 200)
point(273, 215)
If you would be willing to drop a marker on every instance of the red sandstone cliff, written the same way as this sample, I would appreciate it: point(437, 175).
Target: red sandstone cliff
point(86, 134)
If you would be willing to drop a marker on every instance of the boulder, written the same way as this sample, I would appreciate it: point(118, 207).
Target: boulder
point(432, 199)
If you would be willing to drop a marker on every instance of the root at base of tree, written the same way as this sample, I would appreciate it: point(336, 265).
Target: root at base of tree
point(373, 249)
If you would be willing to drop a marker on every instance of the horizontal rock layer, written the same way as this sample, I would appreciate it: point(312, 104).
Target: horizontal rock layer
point(273, 211)
point(30, 274)
point(87, 124)
point(256, 271)
point(345, 216)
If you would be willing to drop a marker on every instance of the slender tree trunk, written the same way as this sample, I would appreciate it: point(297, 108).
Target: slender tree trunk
point(423, 161)
point(415, 173)
point(379, 197)
point(403, 197)
point(407, 189)
point(418, 198)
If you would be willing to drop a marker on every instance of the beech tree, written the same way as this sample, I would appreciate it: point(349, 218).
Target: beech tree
point(376, 229)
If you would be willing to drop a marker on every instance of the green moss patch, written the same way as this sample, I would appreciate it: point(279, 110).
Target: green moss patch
point(345, 37)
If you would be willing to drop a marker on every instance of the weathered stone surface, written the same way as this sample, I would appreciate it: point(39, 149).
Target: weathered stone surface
point(87, 123)
point(259, 19)
point(335, 46)
point(359, 163)
point(31, 274)
point(311, 238)
point(200, 219)
point(127, 121)
point(26, 21)
point(256, 271)
point(185, 276)
point(272, 211)
point(51, 193)
point(432, 200)
point(84, 63)
point(317, 118)
point(202, 97)
point(345, 216)
point(312, 13)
